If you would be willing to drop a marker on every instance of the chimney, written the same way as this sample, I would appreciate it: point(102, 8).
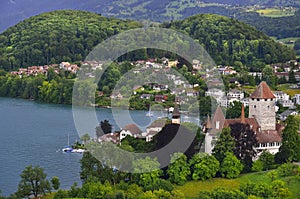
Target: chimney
point(243, 114)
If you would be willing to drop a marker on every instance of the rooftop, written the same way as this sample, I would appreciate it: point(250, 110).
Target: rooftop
point(262, 92)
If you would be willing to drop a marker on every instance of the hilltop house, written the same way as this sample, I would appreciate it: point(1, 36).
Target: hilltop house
point(261, 120)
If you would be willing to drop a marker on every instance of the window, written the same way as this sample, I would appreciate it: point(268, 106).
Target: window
point(217, 124)
point(272, 144)
point(263, 145)
point(254, 106)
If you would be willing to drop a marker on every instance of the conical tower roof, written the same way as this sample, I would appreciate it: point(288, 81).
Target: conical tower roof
point(262, 92)
point(208, 123)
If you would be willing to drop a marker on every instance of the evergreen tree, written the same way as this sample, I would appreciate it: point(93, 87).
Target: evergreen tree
point(290, 148)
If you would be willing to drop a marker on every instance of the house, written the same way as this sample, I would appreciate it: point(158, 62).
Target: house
point(116, 95)
point(282, 75)
point(216, 93)
point(235, 94)
point(223, 101)
point(146, 96)
point(154, 128)
point(110, 137)
point(245, 101)
point(296, 99)
point(137, 88)
point(130, 130)
point(161, 98)
point(192, 93)
point(160, 87)
point(287, 113)
point(287, 103)
point(261, 120)
point(280, 95)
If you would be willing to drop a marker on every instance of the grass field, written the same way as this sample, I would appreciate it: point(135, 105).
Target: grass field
point(292, 92)
point(191, 189)
point(274, 12)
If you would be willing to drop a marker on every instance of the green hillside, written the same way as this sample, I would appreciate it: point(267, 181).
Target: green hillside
point(56, 36)
point(232, 42)
point(70, 35)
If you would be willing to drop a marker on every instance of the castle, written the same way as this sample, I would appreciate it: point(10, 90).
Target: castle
point(262, 120)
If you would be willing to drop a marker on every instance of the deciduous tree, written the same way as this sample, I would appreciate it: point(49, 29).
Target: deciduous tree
point(33, 182)
point(179, 169)
point(224, 144)
point(230, 167)
point(204, 166)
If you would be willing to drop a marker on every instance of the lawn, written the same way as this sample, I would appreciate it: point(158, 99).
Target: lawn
point(191, 189)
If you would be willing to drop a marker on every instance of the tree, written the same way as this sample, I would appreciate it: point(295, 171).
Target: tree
point(84, 138)
point(272, 175)
point(292, 78)
point(290, 148)
point(257, 166)
point(33, 182)
point(267, 159)
point(235, 109)
point(104, 127)
point(230, 167)
point(147, 171)
point(204, 166)
point(224, 144)
point(297, 45)
point(245, 141)
point(55, 183)
point(269, 76)
point(178, 170)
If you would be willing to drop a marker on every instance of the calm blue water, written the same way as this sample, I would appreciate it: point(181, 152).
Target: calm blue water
point(32, 133)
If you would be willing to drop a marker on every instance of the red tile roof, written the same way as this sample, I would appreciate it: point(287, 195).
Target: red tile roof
point(268, 136)
point(262, 92)
point(133, 129)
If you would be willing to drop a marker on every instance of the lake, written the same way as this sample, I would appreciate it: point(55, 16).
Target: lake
point(34, 133)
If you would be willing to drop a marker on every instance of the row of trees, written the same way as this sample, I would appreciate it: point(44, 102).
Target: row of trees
point(51, 88)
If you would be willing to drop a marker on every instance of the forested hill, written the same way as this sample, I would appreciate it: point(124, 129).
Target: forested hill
point(70, 35)
point(232, 42)
point(56, 36)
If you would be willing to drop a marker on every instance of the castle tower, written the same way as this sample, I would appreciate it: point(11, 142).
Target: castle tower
point(176, 116)
point(262, 107)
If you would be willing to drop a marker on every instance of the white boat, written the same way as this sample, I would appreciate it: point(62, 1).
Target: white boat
point(149, 114)
point(67, 148)
point(77, 151)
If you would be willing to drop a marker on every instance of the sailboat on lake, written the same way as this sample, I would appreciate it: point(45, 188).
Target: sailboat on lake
point(67, 148)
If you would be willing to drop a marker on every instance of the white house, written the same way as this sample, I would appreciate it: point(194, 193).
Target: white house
point(154, 128)
point(214, 92)
point(280, 95)
point(297, 99)
point(235, 94)
point(130, 130)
